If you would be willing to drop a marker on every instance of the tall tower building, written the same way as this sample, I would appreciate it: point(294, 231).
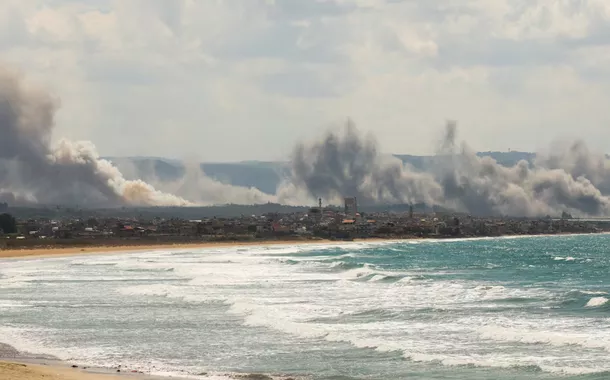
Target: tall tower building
point(351, 206)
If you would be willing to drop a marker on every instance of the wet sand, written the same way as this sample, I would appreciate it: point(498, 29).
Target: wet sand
point(21, 371)
point(67, 251)
point(16, 365)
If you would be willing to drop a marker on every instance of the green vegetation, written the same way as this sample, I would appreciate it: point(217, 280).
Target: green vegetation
point(8, 224)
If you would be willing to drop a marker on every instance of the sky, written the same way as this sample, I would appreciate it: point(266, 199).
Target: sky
point(230, 80)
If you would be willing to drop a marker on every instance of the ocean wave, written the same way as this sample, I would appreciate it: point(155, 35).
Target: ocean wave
point(370, 273)
point(141, 265)
point(592, 292)
point(578, 299)
point(184, 294)
point(344, 265)
point(568, 258)
point(550, 337)
point(93, 279)
point(290, 262)
point(12, 304)
point(369, 298)
point(93, 264)
point(34, 340)
point(159, 290)
point(597, 302)
point(503, 362)
point(144, 270)
point(14, 282)
point(370, 330)
point(255, 315)
point(531, 363)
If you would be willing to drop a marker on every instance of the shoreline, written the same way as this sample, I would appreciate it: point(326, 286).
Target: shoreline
point(21, 369)
point(137, 246)
point(41, 252)
point(30, 370)
point(18, 365)
point(21, 365)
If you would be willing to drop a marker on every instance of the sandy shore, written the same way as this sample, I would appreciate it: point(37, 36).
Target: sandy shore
point(19, 371)
point(45, 252)
point(135, 247)
point(17, 365)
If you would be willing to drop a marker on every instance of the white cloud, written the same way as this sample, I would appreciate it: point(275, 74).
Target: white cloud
point(244, 79)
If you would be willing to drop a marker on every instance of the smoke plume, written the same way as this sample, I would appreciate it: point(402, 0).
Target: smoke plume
point(196, 186)
point(480, 185)
point(342, 163)
point(32, 170)
point(187, 180)
point(349, 164)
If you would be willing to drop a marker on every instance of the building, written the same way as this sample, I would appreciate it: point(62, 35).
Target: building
point(351, 206)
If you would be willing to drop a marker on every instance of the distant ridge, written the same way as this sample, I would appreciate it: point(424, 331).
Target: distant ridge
point(263, 175)
point(219, 211)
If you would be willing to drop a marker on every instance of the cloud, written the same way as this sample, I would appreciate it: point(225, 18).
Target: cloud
point(231, 80)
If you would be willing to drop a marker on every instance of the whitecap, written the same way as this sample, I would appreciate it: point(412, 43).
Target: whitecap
point(597, 301)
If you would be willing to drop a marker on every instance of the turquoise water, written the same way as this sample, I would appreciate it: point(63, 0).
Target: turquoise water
point(508, 308)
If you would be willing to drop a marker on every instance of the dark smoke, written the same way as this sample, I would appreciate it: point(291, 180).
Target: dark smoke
point(349, 164)
point(32, 171)
point(480, 185)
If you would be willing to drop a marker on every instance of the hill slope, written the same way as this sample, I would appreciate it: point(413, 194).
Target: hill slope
point(265, 176)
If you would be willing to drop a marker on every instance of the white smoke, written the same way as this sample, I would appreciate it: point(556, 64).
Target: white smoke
point(34, 171)
point(196, 186)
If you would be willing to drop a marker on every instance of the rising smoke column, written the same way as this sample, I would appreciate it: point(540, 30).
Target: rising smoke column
point(579, 161)
point(349, 164)
point(482, 186)
point(341, 164)
point(33, 171)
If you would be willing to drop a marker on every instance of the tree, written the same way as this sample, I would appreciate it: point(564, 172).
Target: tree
point(8, 224)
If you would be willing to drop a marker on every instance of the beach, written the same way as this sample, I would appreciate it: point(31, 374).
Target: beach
point(135, 246)
point(418, 309)
point(21, 371)
point(101, 249)
point(16, 365)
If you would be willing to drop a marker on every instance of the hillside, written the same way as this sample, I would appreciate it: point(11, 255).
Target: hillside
point(221, 211)
point(264, 176)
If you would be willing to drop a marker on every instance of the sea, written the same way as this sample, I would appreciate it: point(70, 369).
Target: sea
point(501, 308)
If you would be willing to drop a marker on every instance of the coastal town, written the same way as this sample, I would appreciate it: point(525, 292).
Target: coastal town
point(316, 223)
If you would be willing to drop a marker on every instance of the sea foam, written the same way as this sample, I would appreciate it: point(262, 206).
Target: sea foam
point(597, 301)
point(434, 302)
